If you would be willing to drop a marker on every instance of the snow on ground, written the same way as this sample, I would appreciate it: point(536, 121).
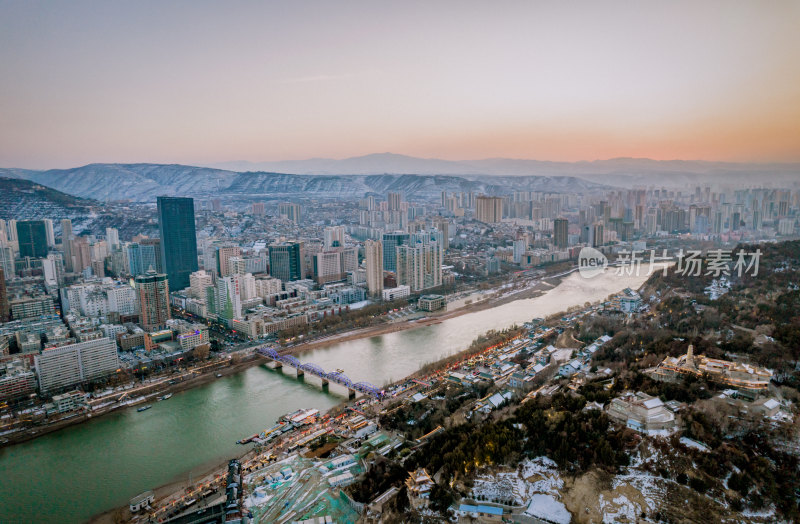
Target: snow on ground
point(541, 474)
point(619, 509)
point(547, 507)
point(624, 500)
point(534, 476)
point(689, 443)
point(762, 514)
point(638, 458)
point(653, 489)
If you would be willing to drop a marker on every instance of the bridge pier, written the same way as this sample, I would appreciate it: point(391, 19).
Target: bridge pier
point(351, 393)
point(278, 364)
point(300, 372)
point(325, 382)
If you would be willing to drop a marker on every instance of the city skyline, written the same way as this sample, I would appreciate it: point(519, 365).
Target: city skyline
point(208, 84)
point(399, 262)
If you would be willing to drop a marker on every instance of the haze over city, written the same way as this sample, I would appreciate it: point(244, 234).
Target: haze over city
point(203, 83)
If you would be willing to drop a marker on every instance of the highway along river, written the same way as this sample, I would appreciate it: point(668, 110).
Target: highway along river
point(73, 474)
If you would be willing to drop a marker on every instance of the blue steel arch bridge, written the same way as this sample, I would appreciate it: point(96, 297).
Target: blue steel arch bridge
point(337, 377)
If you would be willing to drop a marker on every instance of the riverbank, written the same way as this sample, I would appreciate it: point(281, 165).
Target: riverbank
point(174, 489)
point(223, 368)
point(491, 301)
point(542, 286)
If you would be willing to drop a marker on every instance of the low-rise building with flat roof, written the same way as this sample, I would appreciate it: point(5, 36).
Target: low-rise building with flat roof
point(641, 412)
point(431, 302)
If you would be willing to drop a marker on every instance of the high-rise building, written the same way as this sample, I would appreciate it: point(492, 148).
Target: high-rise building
point(7, 260)
point(334, 237)
point(419, 265)
point(247, 286)
point(286, 261)
point(237, 266)
point(258, 208)
point(32, 238)
point(393, 201)
point(334, 264)
point(11, 229)
point(53, 270)
point(49, 232)
point(66, 243)
point(598, 235)
point(390, 242)
point(373, 254)
point(5, 309)
point(66, 366)
point(519, 246)
point(112, 237)
point(489, 209)
point(153, 291)
point(290, 211)
point(757, 220)
point(81, 253)
point(443, 225)
point(561, 233)
point(228, 299)
point(225, 253)
point(199, 281)
point(144, 255)
point(178, 239)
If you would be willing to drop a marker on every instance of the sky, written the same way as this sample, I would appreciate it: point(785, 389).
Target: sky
point(201, 82)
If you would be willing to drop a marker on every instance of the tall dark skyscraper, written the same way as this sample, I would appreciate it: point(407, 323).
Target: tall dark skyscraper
point(32, 237)
point(561, 232)
point(178, 239)
point(286, 261)
point(390, 243)
point(4, 308)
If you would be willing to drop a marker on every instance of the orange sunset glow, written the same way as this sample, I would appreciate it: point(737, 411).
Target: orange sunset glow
point(206, 83)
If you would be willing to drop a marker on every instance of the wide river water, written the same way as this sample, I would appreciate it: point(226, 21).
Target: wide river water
point(72, 474)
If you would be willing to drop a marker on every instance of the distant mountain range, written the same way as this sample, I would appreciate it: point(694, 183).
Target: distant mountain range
point(144, 182)
point(612, 171)
point(416, 177)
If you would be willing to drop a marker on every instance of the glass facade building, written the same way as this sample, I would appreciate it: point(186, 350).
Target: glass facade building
point(286, 261)
point(178, 239)
point(390, 243)
point(32, 238)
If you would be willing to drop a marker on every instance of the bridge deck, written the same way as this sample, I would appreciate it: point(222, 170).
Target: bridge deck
point(313, 369)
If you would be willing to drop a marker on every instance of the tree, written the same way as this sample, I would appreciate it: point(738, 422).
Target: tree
point(201, 352)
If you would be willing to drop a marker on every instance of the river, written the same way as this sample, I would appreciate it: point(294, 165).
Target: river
point(72, 474)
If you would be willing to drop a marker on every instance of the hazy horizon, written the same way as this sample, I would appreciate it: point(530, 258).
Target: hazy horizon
point(200, 83)
point(221, 165)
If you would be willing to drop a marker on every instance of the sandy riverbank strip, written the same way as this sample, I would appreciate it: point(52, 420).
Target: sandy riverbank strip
point(536, 290)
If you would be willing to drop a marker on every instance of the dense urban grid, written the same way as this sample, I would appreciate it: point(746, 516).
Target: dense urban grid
point(630, 391)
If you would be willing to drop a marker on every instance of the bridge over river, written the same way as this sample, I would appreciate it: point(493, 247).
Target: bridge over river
point(337, 377)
